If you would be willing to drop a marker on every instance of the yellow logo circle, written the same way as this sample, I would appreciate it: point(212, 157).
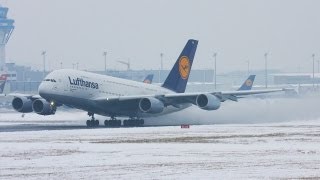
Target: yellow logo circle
point(184, 67)
point(249, 82)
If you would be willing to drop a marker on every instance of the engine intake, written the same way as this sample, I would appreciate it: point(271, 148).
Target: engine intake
point(151, 105)
point(42, 107)
point(22, 104)
point(208, 102)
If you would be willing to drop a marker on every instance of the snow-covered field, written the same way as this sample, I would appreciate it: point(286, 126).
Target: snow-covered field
point(269, 148)
point(282, 150)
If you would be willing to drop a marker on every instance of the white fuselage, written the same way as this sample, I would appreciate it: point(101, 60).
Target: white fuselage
point(80, 89)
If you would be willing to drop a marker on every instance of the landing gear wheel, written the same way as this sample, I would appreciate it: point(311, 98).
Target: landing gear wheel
point(96, 123)
point(140, 122)
point(113, 122)
point(133, 123)
point(88, 123)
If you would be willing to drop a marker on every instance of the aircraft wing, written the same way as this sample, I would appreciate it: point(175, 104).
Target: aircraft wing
point(222, 95)
point(176, 99)
point(28, 96)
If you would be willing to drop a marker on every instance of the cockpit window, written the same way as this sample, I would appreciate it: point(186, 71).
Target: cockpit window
point(50, 80)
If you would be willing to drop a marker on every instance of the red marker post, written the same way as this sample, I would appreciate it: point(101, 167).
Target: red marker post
point(185, 126)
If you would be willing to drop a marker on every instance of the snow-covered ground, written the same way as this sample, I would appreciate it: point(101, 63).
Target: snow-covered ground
point(281, 150)
point(272, 142)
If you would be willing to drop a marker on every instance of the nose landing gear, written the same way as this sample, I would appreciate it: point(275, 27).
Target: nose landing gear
point(93, 122)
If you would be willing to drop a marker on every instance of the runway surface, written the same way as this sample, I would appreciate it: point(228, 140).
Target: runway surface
point(251, 139)
point(65, 149)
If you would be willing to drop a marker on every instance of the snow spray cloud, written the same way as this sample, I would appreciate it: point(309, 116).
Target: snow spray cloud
point(59, 117)
point(251, 110)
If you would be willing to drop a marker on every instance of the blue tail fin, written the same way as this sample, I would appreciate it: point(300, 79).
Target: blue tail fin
point(148, 79)
point(247, 85)
point(3, 79)
point(179, 74)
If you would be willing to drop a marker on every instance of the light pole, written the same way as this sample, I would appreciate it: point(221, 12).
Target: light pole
point(248, 66)
point(77, 65)
point(60, 65)
point(215, 70)
point(266, 68)
point(43, 53)
point(105, 61)
point(161, 66)
point(313, 71)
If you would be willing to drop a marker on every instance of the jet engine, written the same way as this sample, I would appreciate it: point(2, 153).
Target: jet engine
point(22, 104)
point(151, 105)
point(208, 102)
point(42, 107)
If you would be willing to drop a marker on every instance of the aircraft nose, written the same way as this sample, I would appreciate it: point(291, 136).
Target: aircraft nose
point(43, 90)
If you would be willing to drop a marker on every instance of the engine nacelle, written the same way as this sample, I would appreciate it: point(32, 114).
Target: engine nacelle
point(208, 102)
point(151, 105)
point(22, 104)
point(42, 107)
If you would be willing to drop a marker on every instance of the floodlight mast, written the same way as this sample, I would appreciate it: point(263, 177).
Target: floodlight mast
point(161, 66)
point(313, 55)
point(266, 68)
point(105, 61)
point(215, 70)
point(43, 53)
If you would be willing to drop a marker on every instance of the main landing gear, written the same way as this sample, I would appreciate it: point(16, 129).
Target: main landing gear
point(93, 122)
point(113, 122)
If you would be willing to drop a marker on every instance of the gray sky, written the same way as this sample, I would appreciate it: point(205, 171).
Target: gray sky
point(80, 30)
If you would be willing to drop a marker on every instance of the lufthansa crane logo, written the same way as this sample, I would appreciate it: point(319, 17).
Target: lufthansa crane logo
point(249, 82)
point(147, 81)
point(184, 67)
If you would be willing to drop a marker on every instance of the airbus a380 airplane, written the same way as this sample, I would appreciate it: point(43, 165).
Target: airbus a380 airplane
point(115, 97)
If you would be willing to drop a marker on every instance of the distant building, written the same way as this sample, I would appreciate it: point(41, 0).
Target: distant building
point(295, 78)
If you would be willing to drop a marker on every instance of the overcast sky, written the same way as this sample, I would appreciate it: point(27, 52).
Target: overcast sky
point(80, 30)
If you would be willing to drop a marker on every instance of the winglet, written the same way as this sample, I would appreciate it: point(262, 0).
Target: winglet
point(247, 85)
point(179, 74)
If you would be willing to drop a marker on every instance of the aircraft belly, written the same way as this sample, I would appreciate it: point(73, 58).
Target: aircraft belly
point(167, 110)
point(128, 109)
